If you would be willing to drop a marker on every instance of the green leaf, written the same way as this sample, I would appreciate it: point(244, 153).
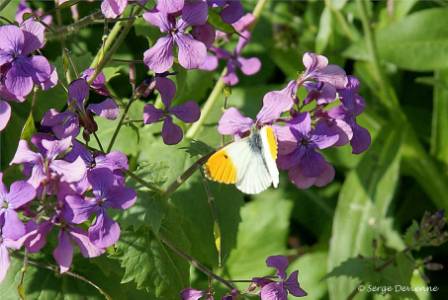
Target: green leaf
point(418, 42)
point(153, 266)
point(439, 134)
point(262, 233)
point(325, 29)
point(363, 202)
point(215, 20)
point(28, 129)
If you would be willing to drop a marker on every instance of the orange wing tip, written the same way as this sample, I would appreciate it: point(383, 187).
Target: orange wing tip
point(272, 142)
point(220, 168)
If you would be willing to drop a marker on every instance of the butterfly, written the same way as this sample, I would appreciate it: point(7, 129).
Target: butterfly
point(249, 163)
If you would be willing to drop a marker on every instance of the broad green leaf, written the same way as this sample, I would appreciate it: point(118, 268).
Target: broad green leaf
point(325, 29)
point(363, 202)
point(151, 265)
point(418, 42)
point(262, 233)
point(439, 134)
point(312, 268)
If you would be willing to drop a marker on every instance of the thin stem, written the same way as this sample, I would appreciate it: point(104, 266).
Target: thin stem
point(120, 123)
point(76, 26)
point(70, 61)
point(113, 42)
point(20, 287)
point(149, 185)
point(196, 263)
point(98, 142)
point(187, 174)
point(135, 61)
point(71, 274)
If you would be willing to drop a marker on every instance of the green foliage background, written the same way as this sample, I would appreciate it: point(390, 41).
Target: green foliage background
point(398, 49)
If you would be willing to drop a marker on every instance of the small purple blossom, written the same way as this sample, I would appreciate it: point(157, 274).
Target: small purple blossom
point(46, 165)
point(160, 58)
point(98, 84)
point(318, 69)
point(5, 114)
point(20, 71)
point(104, 232)
point(23, 9)
point(189, 112)
point(6, 243)
point(279, 290)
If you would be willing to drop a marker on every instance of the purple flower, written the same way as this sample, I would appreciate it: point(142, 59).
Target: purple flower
point(46, 165)
point(63, 253)
point(20, 71)
point(113, 8)
point(188, 112)
point(104, 232)
point(170, 6)
point(6, 242)
point(159, 58)
point(23, 9)
point(232, 10)
point(232, 122)
point(318, 69)
point(273, 290)
point(298, 143)
point(19, 194)
point(191, 294)
point(99, 84)
point(67, 123)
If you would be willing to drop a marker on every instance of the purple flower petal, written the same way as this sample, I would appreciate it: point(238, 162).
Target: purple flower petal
point(78, 91)
point(191, 294)
point(232, 122)
point(195, 12)
point(244, 23)
point(4, 261)
point(104, 232)
point(299, 180)
point(292, 285)
point(34, 36)
point(312, 164)
point(70, 172)
point(280, 263)
point(159, 58)
point(205, 33)
point(333, 75)
point(249, 66)
point(192, 53)
point(210, 63)
point(12, 40)
point(121, 197)
point(151, 114)
point(171, 133)
point(24, 154)
point(301, 124)
point(63, 124)
point(113, 8)
point(231, 78)
point(77, 209)
point(101, 180)
point(114, 160)
point(13, 229)
point(20, 193)
point(63, 253)
point(5, 114)
point(51, 81)
point(170, 6)
point(313, 61)
point(41, 69)
point(36, 235)
point(232, 12)
point(361, 139)
point(88, 249)
point(273, 291)
point(167, 90)
point(98, 83)
point(55, 147)
point(277, 102)
point(326, 177)
point(107, 109)
point(188, 112)
point(287, 142)
point(158, 19)
point(18, 80)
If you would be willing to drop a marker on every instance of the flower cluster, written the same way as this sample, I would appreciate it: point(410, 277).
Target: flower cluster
point(185, 26)
point(268, 288)
point(20, 71)
point(302, 129)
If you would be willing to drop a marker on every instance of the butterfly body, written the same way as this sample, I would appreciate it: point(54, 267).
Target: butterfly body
point(249, 163)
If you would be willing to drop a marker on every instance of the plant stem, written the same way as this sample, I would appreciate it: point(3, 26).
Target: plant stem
point(75, 27)
point(120, 123)
point(98, 142)
point(149, 185)
point(113, 42)
point(187, 174)
point(196, 263)
point(71, 274)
